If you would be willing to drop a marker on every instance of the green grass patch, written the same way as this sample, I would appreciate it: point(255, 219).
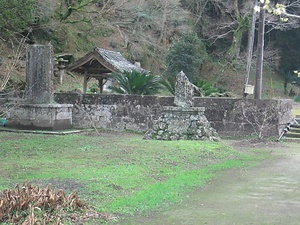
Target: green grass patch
point(296, 112)
point(116, 172)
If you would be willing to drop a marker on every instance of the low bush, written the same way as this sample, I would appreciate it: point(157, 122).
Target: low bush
point(297, 98)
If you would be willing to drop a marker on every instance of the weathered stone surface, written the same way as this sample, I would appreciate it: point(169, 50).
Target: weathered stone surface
point(177, 123)
point(182, 121)
point(223, 114)
point(184, 91)
point(39, 73)
point(41, 117)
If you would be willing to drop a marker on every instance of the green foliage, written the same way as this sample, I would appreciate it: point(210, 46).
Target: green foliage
point(296, 79)
point(289, 76)
point(169, 84)
point(208, 88)
point(134, 82)
point(70, 7)
point(94, 88)
point(297, 98)
point(186, 55)
point(288, 43)
point(16, 16)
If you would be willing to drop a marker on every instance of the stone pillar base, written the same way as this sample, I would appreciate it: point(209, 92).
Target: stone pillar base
point(185, 123)
point(40, 117)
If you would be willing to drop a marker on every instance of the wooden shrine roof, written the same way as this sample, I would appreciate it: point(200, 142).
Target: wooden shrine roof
point(100, 62)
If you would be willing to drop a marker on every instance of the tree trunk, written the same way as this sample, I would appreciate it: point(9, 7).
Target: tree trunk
point(285, 87)
point(260, 53)
point(163, 24)
point(234, 50)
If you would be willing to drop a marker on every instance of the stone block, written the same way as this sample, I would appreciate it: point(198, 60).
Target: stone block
point(40, 117)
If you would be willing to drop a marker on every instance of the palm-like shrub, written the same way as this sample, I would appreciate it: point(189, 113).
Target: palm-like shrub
point(169, 84)
point(134, 82)
point(209, 89)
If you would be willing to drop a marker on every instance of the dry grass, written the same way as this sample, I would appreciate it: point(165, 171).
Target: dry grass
point(28, 205)
point(23, 203)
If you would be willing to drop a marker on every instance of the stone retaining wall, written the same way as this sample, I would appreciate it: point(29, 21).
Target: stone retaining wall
point(230, 117)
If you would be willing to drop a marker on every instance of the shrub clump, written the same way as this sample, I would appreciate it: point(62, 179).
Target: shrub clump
point(297, 98)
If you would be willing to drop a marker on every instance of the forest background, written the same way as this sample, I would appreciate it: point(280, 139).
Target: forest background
point(207, 39)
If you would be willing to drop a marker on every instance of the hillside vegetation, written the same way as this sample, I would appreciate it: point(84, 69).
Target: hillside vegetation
point(146, 31)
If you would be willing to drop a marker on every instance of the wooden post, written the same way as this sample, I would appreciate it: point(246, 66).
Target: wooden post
point(100, 80)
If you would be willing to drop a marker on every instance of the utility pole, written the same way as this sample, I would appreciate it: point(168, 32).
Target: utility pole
point(260, 52)
point(250, 47)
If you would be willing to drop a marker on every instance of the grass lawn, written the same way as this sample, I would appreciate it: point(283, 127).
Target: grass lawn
point(296, 109)
point(116, 172)
point(296, 112)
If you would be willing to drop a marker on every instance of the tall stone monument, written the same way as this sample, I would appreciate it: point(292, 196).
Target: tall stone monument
point(39, 73)
point(182, 121)
point(39, 111)
point(184, 91)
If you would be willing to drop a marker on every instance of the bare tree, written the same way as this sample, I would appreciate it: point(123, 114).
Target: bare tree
point(221, 22)
point(257, 116)
point(11, 66)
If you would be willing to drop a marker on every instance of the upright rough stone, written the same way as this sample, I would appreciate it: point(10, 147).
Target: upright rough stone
point(39, 74)
point(182, 121)
point(184, 91)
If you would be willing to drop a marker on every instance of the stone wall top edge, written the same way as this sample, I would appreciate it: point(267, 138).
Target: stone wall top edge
point(50, 105)
point(241, 99)
point(185, 109)
point(196, 99)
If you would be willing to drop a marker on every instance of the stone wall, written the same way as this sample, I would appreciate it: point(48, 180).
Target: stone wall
point(230, 117)
point(237, 117)
point(132, 112)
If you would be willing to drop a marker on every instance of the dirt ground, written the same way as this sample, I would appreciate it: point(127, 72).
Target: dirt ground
point(268, 193)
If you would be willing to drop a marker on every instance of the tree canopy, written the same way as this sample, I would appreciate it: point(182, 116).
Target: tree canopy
point(187, 55)
point(16, 16)
point(165, 36)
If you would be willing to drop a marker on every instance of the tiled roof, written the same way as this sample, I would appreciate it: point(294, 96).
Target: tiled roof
point(100, 61)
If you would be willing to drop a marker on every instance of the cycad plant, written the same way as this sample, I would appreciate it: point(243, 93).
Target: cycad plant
point(134, 82)
point(169, 84)
point(208, 88)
